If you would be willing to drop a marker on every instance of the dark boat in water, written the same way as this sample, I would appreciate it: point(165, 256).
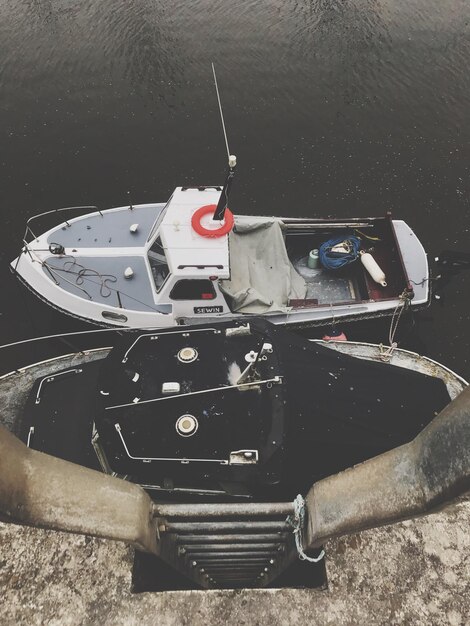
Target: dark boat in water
point(229, 409)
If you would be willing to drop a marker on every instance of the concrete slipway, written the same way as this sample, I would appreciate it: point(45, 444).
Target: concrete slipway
point(414, 572)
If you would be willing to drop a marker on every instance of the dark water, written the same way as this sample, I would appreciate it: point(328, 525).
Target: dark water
point(333, 107)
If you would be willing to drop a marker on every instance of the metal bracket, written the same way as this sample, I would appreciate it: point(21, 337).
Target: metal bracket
point(244, 457)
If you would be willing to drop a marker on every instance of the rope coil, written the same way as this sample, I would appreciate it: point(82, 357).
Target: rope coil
point(333, 260)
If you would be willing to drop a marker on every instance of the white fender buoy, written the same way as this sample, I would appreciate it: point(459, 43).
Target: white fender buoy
point(373, 268)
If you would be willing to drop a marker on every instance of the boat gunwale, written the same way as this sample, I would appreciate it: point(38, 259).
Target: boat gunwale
point(331, 344)
point(413, 356)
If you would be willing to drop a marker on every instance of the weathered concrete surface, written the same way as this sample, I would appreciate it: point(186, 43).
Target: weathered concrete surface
point(410, 480)
point(415, 572)
point(47, 492)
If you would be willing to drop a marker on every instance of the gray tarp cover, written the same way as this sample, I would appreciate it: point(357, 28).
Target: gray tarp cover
point(262, 278)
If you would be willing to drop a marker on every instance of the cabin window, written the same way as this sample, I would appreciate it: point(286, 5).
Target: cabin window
point(198, 289)
point(158, 263)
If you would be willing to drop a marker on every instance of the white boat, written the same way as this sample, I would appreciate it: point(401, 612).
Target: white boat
point(153, 265)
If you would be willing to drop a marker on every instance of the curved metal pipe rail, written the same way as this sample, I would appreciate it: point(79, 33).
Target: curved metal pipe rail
point(67, 208)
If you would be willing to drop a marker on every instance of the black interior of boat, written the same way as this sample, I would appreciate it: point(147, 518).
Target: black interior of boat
point(328, 412)
point(60, 409)
point(351, 283)
point(229, 419)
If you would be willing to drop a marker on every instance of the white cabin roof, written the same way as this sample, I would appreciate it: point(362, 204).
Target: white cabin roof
point(183, 246)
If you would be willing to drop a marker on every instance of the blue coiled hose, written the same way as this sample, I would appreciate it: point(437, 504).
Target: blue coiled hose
point(334, 260)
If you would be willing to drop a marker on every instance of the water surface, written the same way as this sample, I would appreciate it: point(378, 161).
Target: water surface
point(333, 108)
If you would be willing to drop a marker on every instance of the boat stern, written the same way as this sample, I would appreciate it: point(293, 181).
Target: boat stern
point(415, 262)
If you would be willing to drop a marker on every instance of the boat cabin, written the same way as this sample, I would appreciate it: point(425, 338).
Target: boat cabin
point(186, 267)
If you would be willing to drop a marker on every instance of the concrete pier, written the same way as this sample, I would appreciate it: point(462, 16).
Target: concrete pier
point(414, 572)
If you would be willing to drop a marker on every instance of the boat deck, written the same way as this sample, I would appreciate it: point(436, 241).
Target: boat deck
point(108, 229)
point(101, 279)
point(339, 410)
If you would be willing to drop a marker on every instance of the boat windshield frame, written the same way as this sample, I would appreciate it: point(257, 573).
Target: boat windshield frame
point(156, 225)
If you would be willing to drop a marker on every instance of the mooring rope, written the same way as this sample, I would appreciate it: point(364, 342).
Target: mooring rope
point(403, 302)
point(297, 521)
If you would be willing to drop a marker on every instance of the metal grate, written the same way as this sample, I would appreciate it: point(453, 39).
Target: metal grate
point(227, 545)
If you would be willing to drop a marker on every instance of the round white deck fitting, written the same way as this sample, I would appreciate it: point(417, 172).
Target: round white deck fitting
point(187, 355)
point(250, 357)
point(128, 272)
point(186, 425)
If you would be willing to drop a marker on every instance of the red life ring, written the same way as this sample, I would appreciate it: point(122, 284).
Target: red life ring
point(226, 225)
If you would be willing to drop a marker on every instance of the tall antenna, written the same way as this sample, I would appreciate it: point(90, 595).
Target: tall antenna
point(232, 161)
point(220, 109)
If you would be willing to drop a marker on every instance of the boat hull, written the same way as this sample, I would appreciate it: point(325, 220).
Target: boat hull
point(294, 320)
